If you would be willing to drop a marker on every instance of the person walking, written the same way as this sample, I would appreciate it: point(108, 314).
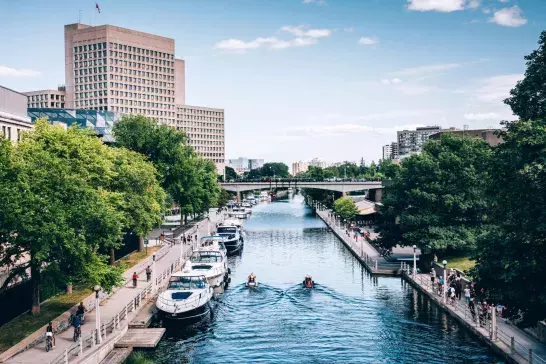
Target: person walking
point(467, 295)
point(135, 279)
point(148, 274)
point(432, 277)
point(458, 287)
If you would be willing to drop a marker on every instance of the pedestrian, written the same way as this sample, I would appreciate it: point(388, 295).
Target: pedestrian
point(135, 279)
point(467, 294)
point(440, 286)
point(458, 287)
point(472, 309)
point(432, 277)
point(195, 237)
point(435, 259)
point(148, 274)
point(453, 296)
point(500, 308)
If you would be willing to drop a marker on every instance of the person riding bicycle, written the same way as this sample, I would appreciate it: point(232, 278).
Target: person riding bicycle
point(49, 333)
point(77, 323)
point(80, 311)
point(148, 274)
point(135, 278)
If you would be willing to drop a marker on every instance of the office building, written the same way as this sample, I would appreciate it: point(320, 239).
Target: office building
point(243, 164)
point(387, 152)
point(411, 141)
point(204, 128)
point(101, 122)
point(395, 152)
point(13, 114)
point(489, 135)
point(315, 162)
point(299, 167)
point(44, 99)
point(110, 68)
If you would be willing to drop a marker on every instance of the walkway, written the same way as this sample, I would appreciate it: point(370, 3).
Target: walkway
point(511, 341)
point(120, 305)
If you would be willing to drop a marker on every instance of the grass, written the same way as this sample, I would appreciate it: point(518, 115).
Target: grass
point(138, 357)
point(463, 263)
point(19, 328)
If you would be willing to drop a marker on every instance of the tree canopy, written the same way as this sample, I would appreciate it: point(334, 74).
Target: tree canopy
point(231, 174)
point(274, 169)
point(437, 200)
point(346, 208)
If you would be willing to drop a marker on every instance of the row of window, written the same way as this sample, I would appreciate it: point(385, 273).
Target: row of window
point(45, 97)
point(90, 71)
point(137, 50)
point(125, 86)
point(141, 81)
point(200, 112)
point(149, 60)
point(195, 120)
point(140, 103)
point(90, 55)
point(140, 66)
point(47, 104)
point(142, 96)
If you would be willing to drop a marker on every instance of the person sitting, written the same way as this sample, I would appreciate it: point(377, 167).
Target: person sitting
point(308, 282)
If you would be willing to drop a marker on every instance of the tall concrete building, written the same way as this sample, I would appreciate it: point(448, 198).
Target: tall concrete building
point(411, 141)
point(489, 135)
point(395, 152)
point(315, 162)
point(387, 152)
point(47, 99)
point(110, 68)
point(13, 114)
point(299, 167)
point(243, 164)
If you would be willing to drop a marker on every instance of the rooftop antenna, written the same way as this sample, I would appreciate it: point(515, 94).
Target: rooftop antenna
point(79, 16)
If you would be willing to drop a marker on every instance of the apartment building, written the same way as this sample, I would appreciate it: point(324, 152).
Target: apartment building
point(299, 167)
point(47, 99)
point(387, 152)
point(109, 68)
point(13, 114)
point(243, 164)
point(411, 141)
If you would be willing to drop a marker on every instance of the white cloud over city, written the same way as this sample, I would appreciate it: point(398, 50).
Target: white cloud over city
point(444, 6)
point(368, 40)
point(509, 17)
point(17, 72)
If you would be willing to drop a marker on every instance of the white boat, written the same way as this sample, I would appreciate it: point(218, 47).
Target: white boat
point(186, 297)
point(210, 259)
point(238, 224)
point(232, 237)
point(246, 205)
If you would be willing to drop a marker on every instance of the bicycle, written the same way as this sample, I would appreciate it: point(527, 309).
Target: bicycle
point(49, 341)
point(77, 333)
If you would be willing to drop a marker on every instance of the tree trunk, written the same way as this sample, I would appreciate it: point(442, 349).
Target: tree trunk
point(185, 219)
point(112, 256)
point(140, 243)
point(68, 290)
point(35, 277)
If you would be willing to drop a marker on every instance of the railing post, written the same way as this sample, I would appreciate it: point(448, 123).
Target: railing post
point(493, 324)
point(93, 339)
point(81, 344)
point(66, 356)
point(512, 345)
point(376, 265)
point(530, 356)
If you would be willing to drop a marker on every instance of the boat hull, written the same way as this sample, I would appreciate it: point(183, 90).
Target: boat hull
point(193, 314)
point(233, 245)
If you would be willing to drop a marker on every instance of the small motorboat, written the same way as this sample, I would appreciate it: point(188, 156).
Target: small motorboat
point(308, 282)
point(252, 281)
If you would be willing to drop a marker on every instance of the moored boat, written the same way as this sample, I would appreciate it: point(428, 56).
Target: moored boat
point(232, 237)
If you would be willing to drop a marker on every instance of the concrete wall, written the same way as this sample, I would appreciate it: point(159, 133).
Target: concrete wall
point(13, 102)
point(179, 81)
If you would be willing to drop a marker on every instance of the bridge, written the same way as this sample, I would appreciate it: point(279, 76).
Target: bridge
point(338, 186)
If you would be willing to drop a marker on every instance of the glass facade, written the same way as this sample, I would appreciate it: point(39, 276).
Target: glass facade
point(99, 121)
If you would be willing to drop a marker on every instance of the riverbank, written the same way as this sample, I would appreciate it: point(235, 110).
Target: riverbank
point(116, 311)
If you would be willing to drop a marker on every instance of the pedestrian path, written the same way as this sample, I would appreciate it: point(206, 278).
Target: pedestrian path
point(122, 304)
point(507, 339)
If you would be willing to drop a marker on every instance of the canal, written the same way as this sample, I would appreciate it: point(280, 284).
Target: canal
point(349, 317)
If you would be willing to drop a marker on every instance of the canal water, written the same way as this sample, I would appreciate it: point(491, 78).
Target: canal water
point(349, 317)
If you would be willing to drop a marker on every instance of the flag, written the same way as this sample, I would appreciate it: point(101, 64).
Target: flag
point(97, 6)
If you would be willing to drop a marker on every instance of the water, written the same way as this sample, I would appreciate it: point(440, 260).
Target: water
point(349, 317)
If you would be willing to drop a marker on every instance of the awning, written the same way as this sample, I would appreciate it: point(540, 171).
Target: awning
point(365, 207)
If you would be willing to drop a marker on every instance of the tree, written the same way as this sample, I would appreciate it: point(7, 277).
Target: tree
point(223, 198)
point(275, 169)
point(527, 97)
point(388, 169)
point(511, 258)
point(56, 208)
point(346, 208)
point(437, 200)
point(231, 174)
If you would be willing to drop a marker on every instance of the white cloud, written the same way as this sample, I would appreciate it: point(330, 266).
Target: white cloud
point(391, 81)
point(368, 40)
point(318, 2)
point(497, 88)
point(474, 4)
point(482, 116)
point(504, 1)
point(303, 37)
point(421, 70)
point(300, 31)
point(445, 6)
point(348, 29)
point(14, 72)
point(509, 17)
point(486, 11)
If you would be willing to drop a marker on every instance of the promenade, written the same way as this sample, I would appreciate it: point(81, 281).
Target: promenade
point(119, 308)
point(514, 344)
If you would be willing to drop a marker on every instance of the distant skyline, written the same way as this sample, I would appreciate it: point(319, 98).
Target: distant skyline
point(300, 79)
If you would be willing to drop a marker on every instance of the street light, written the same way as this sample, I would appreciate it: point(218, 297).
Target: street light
point(97, 289)
point(445, 279)
point(414, 261)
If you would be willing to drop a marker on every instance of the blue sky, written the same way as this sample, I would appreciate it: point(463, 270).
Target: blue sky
point(299, 79)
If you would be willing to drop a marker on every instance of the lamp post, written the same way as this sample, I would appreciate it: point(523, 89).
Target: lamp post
point(445, 280)
point(97, 313)
point(414, 261)
point(153, 272)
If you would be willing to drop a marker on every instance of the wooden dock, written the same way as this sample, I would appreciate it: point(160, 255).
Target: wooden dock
point(141, 338)
point(117, 356)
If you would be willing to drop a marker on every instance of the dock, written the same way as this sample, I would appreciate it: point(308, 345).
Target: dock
point(141, 338)
point(117, 356)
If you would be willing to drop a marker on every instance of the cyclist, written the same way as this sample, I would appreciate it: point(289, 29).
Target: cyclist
point(81, 311)
point(77, 323)
point(49, 334)
point(135, 278)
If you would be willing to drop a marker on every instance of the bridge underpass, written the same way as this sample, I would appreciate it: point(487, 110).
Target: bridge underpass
point(374, 187)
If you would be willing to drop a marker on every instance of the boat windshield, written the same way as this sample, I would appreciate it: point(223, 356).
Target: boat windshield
point(227, 230)
point(184, 283)
point(206, 257)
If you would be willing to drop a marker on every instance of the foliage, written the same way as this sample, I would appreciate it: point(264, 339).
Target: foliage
point(437, 200)
point(223, 198)
point(346, 208)
point(138, 357)
point(231, 174)
point(515, 251)
point(527, 97)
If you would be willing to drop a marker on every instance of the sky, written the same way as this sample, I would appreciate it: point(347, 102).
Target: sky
point(298, 79)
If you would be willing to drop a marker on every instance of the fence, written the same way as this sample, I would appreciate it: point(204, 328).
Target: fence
point(477, 319)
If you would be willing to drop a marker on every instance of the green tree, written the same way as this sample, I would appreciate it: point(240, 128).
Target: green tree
point(231, 174)
point(527, 98)
point(511, 258)
point(275, 169)
point(223, 198)
point(437, 201)
point(56, 209)
point(346, 208)
point(388, 169)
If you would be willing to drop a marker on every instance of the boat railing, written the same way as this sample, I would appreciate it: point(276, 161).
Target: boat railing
point(189, 302)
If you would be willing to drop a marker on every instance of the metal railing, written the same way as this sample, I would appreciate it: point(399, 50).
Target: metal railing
point(477, 319)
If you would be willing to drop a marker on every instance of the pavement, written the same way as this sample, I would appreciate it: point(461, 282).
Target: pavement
point(109, 308)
